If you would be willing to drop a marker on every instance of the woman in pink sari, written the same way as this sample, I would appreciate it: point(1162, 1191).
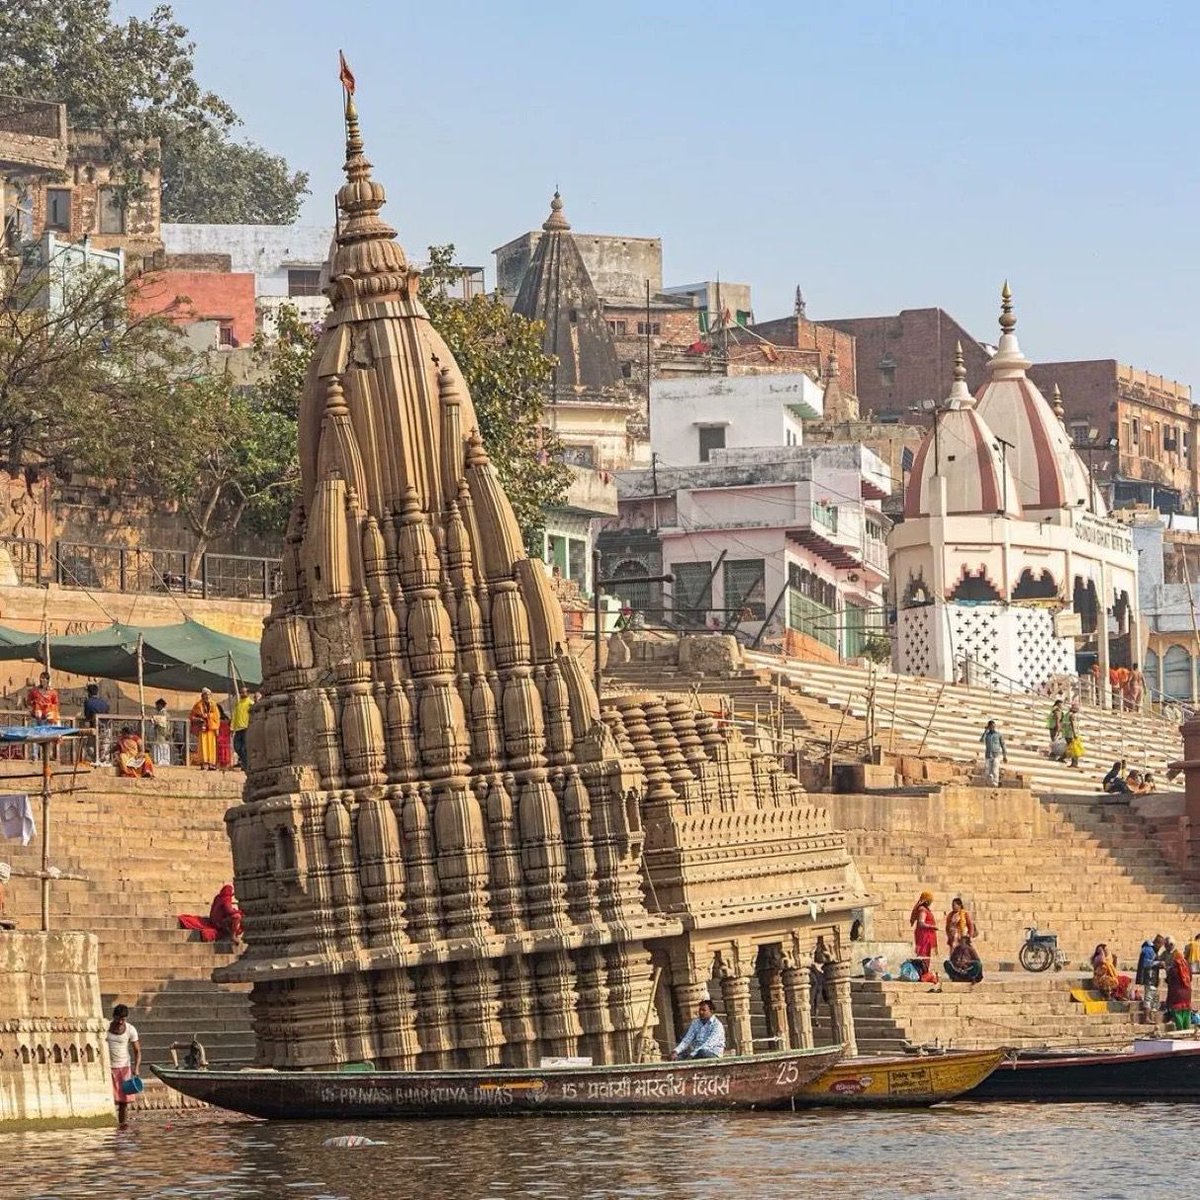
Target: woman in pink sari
point(925, 926)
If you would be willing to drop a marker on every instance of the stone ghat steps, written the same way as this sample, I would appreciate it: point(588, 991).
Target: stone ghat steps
point(1024, 1012)
point(959, 713)
point(1089, 875)
point(150, 849)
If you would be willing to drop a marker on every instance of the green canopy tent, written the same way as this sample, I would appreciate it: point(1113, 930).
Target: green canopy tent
point(182, 658)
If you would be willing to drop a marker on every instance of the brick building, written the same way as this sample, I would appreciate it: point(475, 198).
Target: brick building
point(88, 201)
point(903, 360)
point(1152, 420)
point(193, 288)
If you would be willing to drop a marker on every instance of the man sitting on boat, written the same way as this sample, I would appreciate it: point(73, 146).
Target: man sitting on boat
point(964, 964)
point(705, 1037)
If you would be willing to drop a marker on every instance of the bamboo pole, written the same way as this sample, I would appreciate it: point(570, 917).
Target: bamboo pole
point(649, 1009)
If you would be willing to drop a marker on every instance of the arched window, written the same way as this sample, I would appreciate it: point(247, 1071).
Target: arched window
point(975, 586)
point(636, 595)
point(1041, 587)
point(1177, 673)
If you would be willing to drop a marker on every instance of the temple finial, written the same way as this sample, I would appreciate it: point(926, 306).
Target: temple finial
point(831, 364)
point(1057, 404)
point(556, 222)
point(960, 369)
point(1008, 321)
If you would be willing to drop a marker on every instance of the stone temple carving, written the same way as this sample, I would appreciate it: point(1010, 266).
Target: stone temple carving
point(440, 849)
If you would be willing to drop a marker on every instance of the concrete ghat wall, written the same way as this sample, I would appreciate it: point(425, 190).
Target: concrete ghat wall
point(958, 810)
point(53, 1058)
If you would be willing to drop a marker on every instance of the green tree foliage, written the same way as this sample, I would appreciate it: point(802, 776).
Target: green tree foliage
point(134, 81)
point(79, 370)
point(222, 454)
point(501, 357)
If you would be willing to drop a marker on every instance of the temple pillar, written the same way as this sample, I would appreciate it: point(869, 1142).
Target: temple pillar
point(687, 996)
point(797, 993)
point(770, 984)
point(841, 1009)
point(735, 995)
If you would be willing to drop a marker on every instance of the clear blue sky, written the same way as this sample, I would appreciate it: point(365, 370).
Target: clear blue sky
point(881, 155)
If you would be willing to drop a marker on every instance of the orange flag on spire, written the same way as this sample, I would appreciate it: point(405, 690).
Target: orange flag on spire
point(345, 74)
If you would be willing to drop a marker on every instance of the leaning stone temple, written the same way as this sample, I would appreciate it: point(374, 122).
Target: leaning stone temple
point(448, 852)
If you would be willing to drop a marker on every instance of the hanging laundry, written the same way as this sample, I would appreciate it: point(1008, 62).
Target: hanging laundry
point(16, 819)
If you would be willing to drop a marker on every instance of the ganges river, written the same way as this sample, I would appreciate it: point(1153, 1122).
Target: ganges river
point(985, 1151)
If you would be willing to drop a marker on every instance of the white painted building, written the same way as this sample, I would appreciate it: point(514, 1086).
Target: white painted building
point(691, 418)
point(287, 262)
point(782, 543)
point(1006, 563)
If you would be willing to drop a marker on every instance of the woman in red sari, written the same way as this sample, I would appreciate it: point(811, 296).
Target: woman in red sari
point(1179, 990)
point(925, 927)
point(225, 915)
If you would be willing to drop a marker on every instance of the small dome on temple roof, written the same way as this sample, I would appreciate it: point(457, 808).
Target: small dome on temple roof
point(1048, 471)
point(963, 451)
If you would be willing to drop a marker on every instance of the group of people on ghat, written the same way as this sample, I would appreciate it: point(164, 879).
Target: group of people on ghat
point(963, 964)
point(218, 735)
point(1121, 781)
point(1062, 724)
point(1160, 961)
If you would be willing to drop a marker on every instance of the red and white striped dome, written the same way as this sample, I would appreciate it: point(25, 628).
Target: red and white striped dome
point(1047, 470)
point(966, 455)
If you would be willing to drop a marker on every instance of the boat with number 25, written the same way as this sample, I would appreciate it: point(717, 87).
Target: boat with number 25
point(757, 1081)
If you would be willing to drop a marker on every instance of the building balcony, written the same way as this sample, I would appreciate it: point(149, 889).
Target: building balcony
point(33, 136)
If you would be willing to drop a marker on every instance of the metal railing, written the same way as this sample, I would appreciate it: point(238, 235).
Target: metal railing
point(27, 556)
point(141, 569)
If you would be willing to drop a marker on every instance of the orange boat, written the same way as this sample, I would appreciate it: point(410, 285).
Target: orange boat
point(899, 1080)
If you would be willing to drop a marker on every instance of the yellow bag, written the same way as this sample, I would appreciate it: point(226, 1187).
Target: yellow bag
point(1075, 748)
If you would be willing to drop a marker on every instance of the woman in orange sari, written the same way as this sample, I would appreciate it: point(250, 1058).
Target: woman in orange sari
point(958, 923)
point(132, 760)
point(205, 720)
point(924, 925)
point(1104, 975)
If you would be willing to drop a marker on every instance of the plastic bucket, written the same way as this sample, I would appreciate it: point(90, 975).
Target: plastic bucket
point(133, 1085)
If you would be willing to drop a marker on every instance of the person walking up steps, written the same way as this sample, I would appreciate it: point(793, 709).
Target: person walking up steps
point(993, 752)
point(1070, 731)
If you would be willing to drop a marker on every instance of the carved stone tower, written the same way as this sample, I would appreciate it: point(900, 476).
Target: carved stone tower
point(439, 845)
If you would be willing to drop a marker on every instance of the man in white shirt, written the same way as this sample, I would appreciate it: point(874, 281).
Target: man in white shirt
point(705, 1037)
point(125, 1057)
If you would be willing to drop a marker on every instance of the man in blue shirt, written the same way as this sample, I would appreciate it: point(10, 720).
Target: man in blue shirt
point(705, 1037)
point(993, 751)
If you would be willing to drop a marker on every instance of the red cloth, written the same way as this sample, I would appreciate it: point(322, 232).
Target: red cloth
point(224, 745)
point(119, 1075)
point(924, 931)
point(225, 916)
point(1179, 983)
point(208, 931)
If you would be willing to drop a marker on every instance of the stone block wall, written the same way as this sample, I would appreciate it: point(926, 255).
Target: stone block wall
point(53, 1058)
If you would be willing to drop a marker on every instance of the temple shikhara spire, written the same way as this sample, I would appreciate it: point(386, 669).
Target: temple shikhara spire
point(445, 849)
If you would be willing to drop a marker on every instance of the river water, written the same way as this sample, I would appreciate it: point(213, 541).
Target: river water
point(991, 1151)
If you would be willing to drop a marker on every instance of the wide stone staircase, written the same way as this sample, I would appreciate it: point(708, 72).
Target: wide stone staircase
point(947, 720)
point(148, 850)
point(1005, 1010)
point(1085, 870)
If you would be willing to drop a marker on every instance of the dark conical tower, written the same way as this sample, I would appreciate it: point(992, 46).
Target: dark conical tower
point(558, 291)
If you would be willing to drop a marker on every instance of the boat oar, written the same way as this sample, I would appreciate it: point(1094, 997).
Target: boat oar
point(649, 1009)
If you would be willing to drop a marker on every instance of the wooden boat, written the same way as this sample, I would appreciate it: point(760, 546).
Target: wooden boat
point(1151, 1069)
point(759, 1081)
point(903, 1080)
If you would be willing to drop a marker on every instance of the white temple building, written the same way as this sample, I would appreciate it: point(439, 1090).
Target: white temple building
point(1006, 565)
